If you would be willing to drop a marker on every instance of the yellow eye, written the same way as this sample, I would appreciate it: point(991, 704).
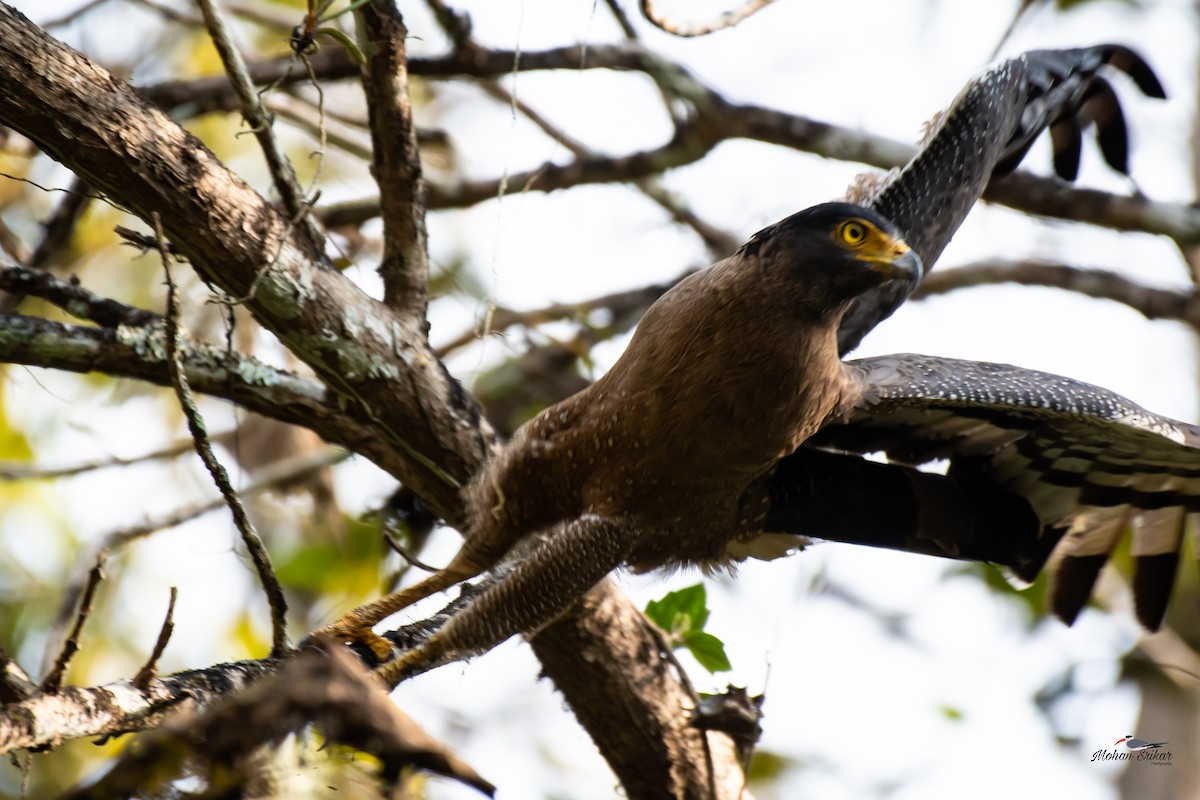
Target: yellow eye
point(852, 233)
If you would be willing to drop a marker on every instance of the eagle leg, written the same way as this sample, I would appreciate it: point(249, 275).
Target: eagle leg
point(536, 587)
point(355, 625)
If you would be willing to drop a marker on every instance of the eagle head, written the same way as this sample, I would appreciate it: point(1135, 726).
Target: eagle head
point(831, 253)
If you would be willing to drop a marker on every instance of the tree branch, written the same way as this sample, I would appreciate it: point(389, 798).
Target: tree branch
point(199, 431)
point(329, 691)
point(396, 161)
point(52, 683)
point(1043, 196)
point(72, 298)
point(149, 670)
point(273, 477)
point(98, 127)
point(76, 712)
point(140, 353)
point(645, 726)
point(1182, 306)
point(282, 174)
point(691, 29)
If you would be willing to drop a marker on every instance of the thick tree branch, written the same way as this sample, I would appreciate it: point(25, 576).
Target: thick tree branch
point(100, 128)
point(400, 407)
point(649, 761)
point(140, 353)
point(76, 712)
point(1050, 197)
point(333, 693)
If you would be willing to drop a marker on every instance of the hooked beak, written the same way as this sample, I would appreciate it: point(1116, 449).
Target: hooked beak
point(904, 265)
point(892, 259)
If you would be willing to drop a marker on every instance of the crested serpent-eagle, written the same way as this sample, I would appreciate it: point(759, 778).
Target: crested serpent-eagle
point(730, 426)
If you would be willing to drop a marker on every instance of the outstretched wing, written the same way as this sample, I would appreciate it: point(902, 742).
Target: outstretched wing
point(1041, 469)
point(987, 131)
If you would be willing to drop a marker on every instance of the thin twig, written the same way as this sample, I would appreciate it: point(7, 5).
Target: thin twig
point(170, 14)
point(60, 226)
point(15, 683)
point(56, 236)
point(311, 123)
point(688, 29)
point(407, 554)
point(143, 241)
point(628, 304)
point(1017, 16)
point(254, 545)
point(725, 120)
point(73, 15)
point(622, 19)
point(22, 472)
point(321, 133)
point(282, 173)
point(73, 298)
point(719, 243)
point(150, 669)
point(283, 473)
point(56, 189)
point(53, 680)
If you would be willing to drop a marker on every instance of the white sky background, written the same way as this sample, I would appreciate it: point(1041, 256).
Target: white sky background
point(858, 708)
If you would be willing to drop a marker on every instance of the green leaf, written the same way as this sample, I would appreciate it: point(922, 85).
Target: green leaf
point(681, 612)
point(708, 650)
point(683, 615)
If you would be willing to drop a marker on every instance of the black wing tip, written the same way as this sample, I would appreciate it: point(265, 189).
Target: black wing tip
point(1075, 577)
point(1094, 101)
point(1067, 141)
point(1111, 131)
point(1071, 585)
point(1132, 64)
point(1153, 577)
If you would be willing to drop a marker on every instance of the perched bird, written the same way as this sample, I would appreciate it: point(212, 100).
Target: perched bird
point(664, 460)
point(729, 426)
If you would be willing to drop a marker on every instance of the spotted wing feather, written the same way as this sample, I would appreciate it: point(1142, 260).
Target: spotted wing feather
point(986, 132)
point(1061, 468)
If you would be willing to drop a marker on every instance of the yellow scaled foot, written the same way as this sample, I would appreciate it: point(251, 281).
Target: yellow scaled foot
point(356, 625)
point(409, 662)
point(352, 628)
